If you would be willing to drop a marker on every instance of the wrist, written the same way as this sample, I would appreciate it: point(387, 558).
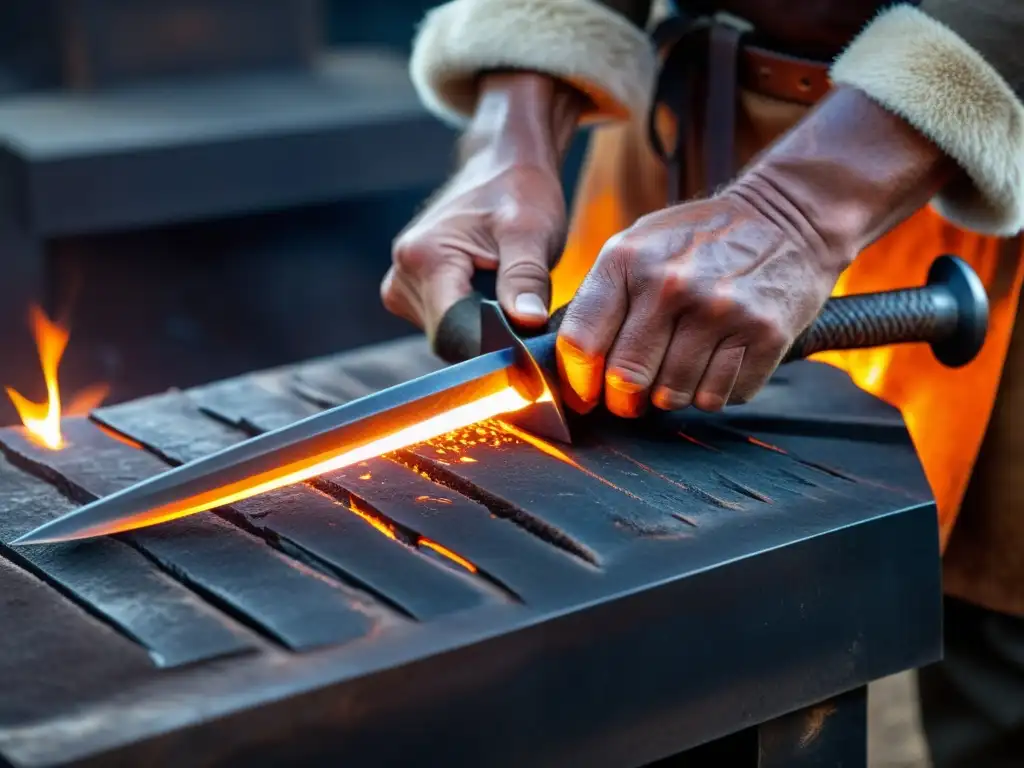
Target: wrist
point(847, 173)
point(528, 117)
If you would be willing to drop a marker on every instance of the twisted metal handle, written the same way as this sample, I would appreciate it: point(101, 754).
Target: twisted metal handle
point(950, 313)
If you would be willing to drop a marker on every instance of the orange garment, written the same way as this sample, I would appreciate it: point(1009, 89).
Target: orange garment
point(946, 410)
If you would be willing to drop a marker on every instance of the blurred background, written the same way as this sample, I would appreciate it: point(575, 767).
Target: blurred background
point(200, 188)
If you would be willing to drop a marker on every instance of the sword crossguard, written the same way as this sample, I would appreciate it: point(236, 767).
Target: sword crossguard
point(535, 362)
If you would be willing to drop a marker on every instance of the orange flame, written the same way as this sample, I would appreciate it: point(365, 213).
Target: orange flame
point(42, 420)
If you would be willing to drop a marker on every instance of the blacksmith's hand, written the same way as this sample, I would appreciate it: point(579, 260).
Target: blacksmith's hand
point(503, 209)
point(698, 303)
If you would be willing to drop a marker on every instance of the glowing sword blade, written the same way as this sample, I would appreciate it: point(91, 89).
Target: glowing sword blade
point(496, 384)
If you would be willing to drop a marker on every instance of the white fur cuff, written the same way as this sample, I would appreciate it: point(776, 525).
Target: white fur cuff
point(580, 41)
point(924, 72)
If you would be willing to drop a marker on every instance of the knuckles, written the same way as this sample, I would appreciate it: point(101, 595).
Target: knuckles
point(526, 271)
point(392, 297)
point(413, 254)
point(672, 287)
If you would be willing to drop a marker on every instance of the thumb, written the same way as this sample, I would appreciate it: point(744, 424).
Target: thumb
point(524, 279)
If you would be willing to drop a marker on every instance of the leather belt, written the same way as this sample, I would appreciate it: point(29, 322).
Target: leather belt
point(782, 77)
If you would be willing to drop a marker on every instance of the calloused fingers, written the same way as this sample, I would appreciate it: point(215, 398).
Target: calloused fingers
point(685, 361)
point(715, 387)
point(636, 357)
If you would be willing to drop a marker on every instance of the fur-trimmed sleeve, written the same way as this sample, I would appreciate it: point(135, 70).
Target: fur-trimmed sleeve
point(598, 50)
point(951, 69)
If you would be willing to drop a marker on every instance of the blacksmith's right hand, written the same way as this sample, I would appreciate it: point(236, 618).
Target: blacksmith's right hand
point(503, 210)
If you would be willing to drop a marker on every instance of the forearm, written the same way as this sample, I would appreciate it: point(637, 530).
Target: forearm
point(851, 170)
point(532, 117)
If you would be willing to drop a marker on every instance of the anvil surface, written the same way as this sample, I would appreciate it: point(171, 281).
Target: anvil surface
point(472, 601)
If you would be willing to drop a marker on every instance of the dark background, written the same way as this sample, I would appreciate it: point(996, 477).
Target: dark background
point(182, 304)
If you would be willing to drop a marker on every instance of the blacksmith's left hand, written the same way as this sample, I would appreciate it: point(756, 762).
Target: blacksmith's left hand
point(698, 303)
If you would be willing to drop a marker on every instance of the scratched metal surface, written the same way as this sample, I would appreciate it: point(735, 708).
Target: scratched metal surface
point(484, 598)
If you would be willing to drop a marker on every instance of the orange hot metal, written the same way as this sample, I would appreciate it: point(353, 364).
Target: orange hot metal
point(499, 383)
point(504, 401)
point(445, 552)
point(373, 520)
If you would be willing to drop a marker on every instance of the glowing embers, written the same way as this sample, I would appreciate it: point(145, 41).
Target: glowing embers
point(762, 444)
point(454, 447)
point(42, 420)
point(395, 533)
point(446, 553)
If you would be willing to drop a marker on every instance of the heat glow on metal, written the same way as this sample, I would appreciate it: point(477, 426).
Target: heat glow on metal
point(506, 400)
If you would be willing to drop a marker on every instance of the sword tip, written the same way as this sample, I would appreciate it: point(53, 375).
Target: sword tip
point(32, 537)
point(44, 534)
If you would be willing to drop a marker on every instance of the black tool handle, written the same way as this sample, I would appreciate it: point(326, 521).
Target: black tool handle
point(950, 313)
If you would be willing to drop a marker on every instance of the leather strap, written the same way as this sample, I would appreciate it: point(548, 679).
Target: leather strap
point(674, 92)
point(782, 77)
point(720, 107)
point(705, 64)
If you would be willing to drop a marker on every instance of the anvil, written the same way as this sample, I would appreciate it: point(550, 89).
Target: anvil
point(514, 378)
point(689, 581)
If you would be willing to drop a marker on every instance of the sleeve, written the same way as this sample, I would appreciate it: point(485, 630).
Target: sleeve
point(598, 46)
point(955, 70)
